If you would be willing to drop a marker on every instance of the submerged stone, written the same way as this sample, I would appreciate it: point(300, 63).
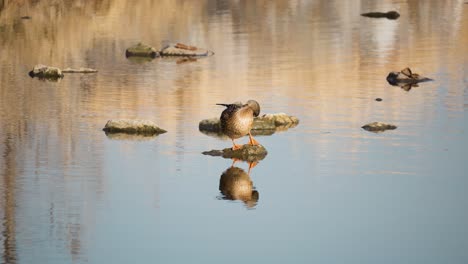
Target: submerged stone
point(141, 50)
point(378, 127)
point(388, 15)
point(46, 72)
point(131, 126)
point(180, 49)
point(246, 153)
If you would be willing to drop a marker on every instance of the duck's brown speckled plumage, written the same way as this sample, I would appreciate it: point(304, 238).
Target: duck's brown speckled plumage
point(237, 120)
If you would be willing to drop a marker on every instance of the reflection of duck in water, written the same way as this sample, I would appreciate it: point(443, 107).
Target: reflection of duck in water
point(235, 184)
point(237, 120)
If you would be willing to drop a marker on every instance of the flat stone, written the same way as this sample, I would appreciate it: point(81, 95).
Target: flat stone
point(141, 50)
point(388, 15)
point(246, 153)
point(378, 127)
point(132, 126)
point(180, 49)
point(46, 72)
point(80, 70)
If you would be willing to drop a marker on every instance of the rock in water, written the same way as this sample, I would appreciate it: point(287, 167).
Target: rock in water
point(180, 49)
point(46, 72)
point(141, 50)
point(131, 126)
point(80, 70)
point(246, 153)
point(378, 127)
point(388, 15)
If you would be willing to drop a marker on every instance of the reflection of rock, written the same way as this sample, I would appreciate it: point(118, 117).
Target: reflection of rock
point(405, 78)
point(185, 60)
point(388, 15)
point(235, 184)
point(247, 153)
point(139, 60)
point(46, 72)
point(141, 50)
point(180, 49)
point(262, 125)
point(131, 126)
point(378, 127)
point(80, 70)
point(132, 137)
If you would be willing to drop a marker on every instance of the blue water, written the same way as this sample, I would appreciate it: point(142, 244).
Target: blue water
point(328, 191)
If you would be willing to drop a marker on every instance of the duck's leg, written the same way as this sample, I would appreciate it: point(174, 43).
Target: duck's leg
point(234, 160)
point(252, 141)
point(251, 166)
point(235, 146)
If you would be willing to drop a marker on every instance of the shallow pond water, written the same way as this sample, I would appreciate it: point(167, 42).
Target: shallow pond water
point(327, 192)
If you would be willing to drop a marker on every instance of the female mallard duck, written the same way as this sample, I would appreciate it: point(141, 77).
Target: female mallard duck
point(237, 120)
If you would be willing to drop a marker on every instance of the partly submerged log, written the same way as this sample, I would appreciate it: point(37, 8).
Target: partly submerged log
point(131, 126)
point(247, 153)
point(141, 50)
point(378, 127)
point(180, 49)
point(80, 70)
point(388, 15)
point(46, 72)
point(266, 124)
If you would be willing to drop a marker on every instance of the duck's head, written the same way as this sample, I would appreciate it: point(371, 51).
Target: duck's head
point(254, 106)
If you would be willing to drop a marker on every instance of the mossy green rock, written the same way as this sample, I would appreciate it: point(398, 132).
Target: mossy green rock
point(246, 153)
point(141, 50)
point(131, 126)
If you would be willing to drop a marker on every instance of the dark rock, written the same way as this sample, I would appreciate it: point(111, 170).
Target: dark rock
point(246, 153)
point(130, 126)
point(378, 99)
point(25, 17)
point(141, 50)
point(183, 50)
point(388, 15)
point(46, 72)
point(378, 127)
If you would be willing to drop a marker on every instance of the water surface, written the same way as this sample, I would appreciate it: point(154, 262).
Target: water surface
point(328, 191)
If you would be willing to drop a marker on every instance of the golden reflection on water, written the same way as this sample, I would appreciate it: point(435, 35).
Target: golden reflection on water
point(318, 60)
